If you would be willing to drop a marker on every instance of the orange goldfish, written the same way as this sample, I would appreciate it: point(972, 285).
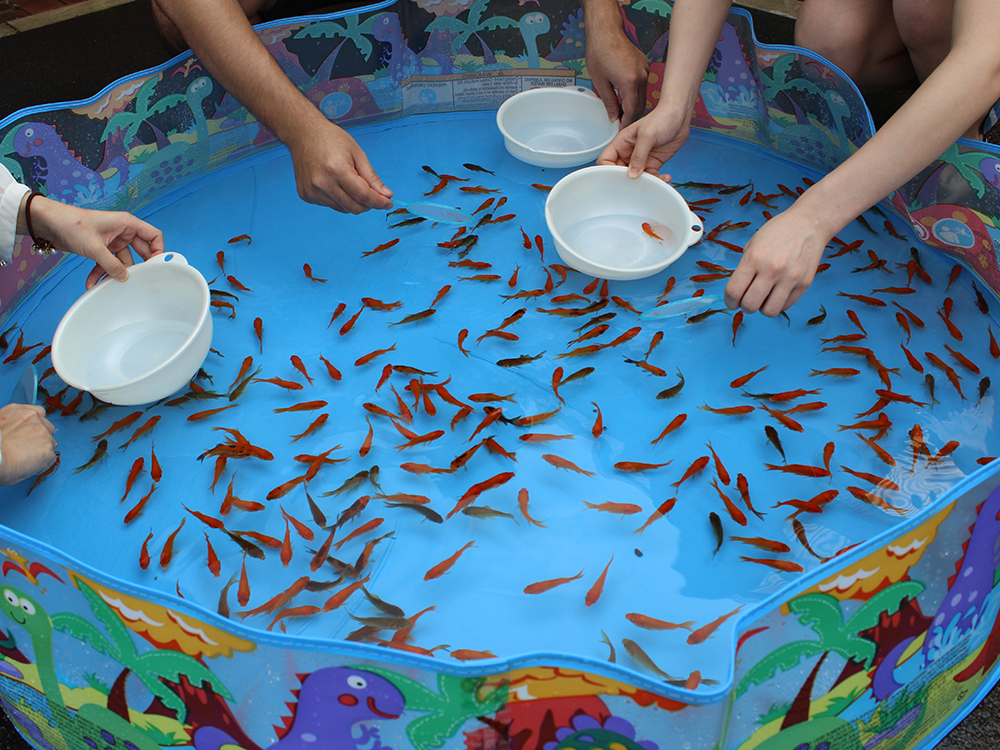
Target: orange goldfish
point(445, 565)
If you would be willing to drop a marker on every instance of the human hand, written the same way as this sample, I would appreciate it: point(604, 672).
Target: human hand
point(103, 236)
point(645, 145)
point(778, 264)
point(332, 170)
point(618, 69)
point(26, 442)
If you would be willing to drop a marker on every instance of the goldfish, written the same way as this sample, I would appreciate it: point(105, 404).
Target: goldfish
point(741, 381)
point(785, 566)
point(953, 330)
point(598, 429)
point(735, 411)
point(947, 450)
point(518, 361)
point(702, 634)
point(783, 418)
point(635, 466)
point(768, 545)
point(198, 416)
point(801, 470)
point(133, 473)
point(651, 623)
point(994, 347)
point(522, 504)
point(121, 424)
point(168, 547)
point(473, 493)
point(875, 500)
point(464, 654)
point(258, 329)
point(871, 301)
point(360, 531)
point(380, 248)
point(595, 591)
point(344, 594)
point(138, 507)
point(675, 423)
point(543, 586)
point(744, 490)
point(953, 377)
point(445, 565)
point(695, 468)
point(373, 355)
point(963, 360)
point(881, 452)
point(562, 463)
point(288, 385)
point(649, 231)
point(350, 323)
point(624, 509)
point(735, 513)
point(642, 658)
point(304, 406)
point(100, 453)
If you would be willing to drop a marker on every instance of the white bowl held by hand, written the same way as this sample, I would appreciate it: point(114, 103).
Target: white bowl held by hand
point(555, 127)
point(611, 226)
point(136, 341)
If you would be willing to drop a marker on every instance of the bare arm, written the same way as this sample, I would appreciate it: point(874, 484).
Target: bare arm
point(779, 262)
point(617, 67)
point(647, 144)
point(330, 168)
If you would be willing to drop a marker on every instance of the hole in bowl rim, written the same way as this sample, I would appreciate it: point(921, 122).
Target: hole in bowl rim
point(657, 184)
point(139, 268)
point(574, 91)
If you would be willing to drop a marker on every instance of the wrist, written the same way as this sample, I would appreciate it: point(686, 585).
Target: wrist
point(39, 213)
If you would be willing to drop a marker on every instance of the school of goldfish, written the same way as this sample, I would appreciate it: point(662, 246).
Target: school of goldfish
point(682, 445)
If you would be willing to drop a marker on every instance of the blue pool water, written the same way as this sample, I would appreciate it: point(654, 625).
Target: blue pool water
point(480, 603)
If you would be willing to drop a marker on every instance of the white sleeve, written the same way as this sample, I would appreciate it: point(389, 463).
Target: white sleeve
point(11, 195)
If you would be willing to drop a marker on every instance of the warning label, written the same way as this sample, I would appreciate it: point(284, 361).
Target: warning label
point(469, 91)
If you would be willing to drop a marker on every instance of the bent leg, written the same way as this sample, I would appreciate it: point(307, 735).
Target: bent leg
point(860, 37)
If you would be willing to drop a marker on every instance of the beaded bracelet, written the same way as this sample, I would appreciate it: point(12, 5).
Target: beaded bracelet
point(40, 246)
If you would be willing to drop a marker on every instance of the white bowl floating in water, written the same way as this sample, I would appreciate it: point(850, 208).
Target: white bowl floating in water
point(611, 226)
point(136, 341)
point(555, 127)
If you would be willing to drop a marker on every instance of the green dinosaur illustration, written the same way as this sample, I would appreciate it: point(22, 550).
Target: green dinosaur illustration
point(457, 702)
point(91, 725)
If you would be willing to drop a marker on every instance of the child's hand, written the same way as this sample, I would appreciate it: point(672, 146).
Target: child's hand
point(778, 264)
point(645, 145)
point(26, 442)
point(102, 236)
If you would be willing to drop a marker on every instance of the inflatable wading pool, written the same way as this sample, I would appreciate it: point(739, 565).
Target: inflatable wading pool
point(433, 489)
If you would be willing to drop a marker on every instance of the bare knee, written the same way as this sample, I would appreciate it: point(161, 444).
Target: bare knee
point(842, 38)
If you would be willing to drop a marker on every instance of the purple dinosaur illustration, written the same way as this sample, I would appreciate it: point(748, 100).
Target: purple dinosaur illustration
point(732, 73)
point(967, 591)
point(403, 61)
point(330, 703)
point(65, 178)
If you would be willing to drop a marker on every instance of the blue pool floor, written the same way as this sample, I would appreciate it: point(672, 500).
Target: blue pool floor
point(692, 584)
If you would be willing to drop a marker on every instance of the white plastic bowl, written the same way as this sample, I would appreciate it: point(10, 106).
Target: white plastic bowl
point(596, 218)
point(138, 341)
point(555, 127)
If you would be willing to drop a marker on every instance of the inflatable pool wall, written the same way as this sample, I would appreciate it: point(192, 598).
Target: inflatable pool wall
point(884, 647)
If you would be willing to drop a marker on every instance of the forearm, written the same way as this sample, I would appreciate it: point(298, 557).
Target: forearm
point(952, 99)
point(221, 36)
point(694, 32)
point(600, 17)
